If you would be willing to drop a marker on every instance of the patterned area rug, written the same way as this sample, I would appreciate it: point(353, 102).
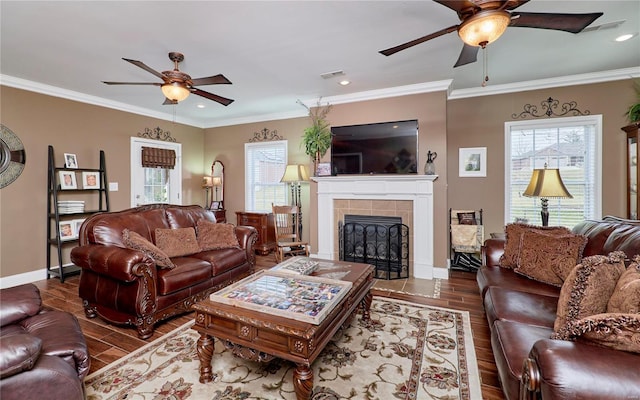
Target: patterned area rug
point(406, 351)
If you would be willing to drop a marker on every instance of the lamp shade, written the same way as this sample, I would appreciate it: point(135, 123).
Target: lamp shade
point(216, 181)
point(546, 183)
point(175, 91)
point(295, 173)
point(484, 27)
point(206, 182)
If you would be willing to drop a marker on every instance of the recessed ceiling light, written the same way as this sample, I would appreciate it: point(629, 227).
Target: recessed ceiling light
point(200, 105)
point(624, 37)
point(345, 82)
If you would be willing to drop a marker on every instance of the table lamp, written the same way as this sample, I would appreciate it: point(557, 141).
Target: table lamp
point(546, 183)
point(206, 185)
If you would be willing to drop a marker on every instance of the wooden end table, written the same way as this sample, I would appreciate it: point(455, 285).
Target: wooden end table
point(258, 336)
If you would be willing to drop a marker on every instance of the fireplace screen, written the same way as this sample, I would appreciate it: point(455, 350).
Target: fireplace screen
point(377, 240)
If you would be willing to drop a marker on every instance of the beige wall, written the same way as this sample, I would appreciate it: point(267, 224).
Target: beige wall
point(479, 122)
point(72, 127)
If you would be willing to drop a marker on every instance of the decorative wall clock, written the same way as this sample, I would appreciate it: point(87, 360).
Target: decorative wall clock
point(12, 156)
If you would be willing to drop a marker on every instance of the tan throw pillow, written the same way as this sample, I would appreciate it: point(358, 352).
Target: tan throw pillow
point(513, 232)
point(135, 241)
point(626, 295)
point(587, 290)
point(615, 330)
point(213, 235)
point(177, 242)
point(541, 255)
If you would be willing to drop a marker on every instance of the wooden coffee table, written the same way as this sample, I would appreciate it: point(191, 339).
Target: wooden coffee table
point(259, 336)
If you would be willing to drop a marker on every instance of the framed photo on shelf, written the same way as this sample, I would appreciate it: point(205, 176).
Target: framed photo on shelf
point(215, 205)
point(70, 160)
point(67, 180)
point(304, 298)
point(472, 162)
point(67, 231)
point(77, 223)
point(90, 180)
point(323, 169)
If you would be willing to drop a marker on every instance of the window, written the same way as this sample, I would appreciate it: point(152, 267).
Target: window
point(571, 144)
point(265, 163)
point(155, 185)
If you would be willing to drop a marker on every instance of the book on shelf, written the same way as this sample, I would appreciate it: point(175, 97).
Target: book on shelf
point(303, 298)
point(297, 265)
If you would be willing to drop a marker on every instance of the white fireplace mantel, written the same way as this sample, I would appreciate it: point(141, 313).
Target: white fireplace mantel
point(417, 188)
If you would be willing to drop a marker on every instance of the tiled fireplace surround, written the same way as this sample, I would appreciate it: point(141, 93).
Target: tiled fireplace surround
point(407, 196)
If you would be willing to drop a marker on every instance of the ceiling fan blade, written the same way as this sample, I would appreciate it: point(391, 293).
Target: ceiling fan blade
point(145, 67)
point(133, 83)
point(468, 55)
point(168, 101)
point(222, 100)
point(457, 5)
point(573, 23)
point(423, 39)
point(211, 80)
point(513, 4)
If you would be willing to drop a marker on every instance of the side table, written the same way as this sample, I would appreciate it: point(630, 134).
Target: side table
point(265, 223)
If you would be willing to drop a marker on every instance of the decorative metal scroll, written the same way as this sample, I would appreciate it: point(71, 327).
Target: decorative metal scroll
point(550, 108)
point(157, 134)
point(265, 135)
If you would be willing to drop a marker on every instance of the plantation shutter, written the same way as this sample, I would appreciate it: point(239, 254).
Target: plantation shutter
point(153, 157)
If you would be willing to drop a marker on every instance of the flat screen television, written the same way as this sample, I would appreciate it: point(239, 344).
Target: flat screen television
point(382, 148)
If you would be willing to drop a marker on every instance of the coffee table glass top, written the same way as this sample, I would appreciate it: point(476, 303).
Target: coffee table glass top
point(301, 297)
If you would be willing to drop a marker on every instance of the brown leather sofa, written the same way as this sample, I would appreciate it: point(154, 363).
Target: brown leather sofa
point(43, 353)
point(125, 286)
point(521, 314)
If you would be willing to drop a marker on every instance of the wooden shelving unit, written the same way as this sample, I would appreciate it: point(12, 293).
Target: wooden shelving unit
point(55, 238)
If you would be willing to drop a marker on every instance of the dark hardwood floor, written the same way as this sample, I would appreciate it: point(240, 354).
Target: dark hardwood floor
point(108, 343)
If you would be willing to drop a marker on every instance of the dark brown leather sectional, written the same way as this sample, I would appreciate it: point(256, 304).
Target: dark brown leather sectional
point(125, 286)
point(521, 313)
point(43, 354)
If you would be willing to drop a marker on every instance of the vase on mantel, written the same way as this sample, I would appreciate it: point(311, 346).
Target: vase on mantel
point(429, 166)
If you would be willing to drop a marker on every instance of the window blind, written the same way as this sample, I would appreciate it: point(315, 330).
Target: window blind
point(265, 163)
point(153, 157)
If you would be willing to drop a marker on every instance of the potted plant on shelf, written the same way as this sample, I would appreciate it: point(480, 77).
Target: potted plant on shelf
point(633, 113)
point(317, 137)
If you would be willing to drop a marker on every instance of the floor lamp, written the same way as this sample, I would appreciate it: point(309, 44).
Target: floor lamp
point(546, 183)
point(206, 185)
point(293, 175)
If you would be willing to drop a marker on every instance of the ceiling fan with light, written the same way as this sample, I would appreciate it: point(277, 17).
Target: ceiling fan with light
point(176, 85)
point(484, 21)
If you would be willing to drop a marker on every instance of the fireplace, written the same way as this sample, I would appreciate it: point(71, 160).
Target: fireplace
point(378, 240)
point(416, 190)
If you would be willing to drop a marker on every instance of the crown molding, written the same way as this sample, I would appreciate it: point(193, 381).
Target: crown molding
point(255, 118)
point(55, 91)
point(569, 80)
point(406, 90)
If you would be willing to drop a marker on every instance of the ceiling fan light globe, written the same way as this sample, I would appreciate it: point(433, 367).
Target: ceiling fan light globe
point(175, 91)
point(483, 28)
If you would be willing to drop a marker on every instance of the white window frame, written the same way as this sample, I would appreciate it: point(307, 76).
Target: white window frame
point(249, 197)
point(595, 120)
point(137, 171)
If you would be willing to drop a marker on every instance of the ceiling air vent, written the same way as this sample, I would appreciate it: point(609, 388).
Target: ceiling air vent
point(329, 75)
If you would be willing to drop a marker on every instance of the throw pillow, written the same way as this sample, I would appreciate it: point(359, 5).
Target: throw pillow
point(467, 218)
point(541, 255)
point(615, 330)
point(513, 232)
point(626, 295)
point(213, 235)
point(135, 241)
point(177, 242)
point(587, 290)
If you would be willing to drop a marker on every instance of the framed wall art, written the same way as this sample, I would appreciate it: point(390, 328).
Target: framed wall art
point(472, 162)
point(323, 169)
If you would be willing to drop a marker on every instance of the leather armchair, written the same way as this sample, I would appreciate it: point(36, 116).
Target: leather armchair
point(43, 352)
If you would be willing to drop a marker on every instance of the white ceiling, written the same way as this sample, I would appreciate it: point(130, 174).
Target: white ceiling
point(275, 51)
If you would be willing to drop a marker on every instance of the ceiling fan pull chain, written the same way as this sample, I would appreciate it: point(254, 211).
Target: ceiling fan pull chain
point(485, 66)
